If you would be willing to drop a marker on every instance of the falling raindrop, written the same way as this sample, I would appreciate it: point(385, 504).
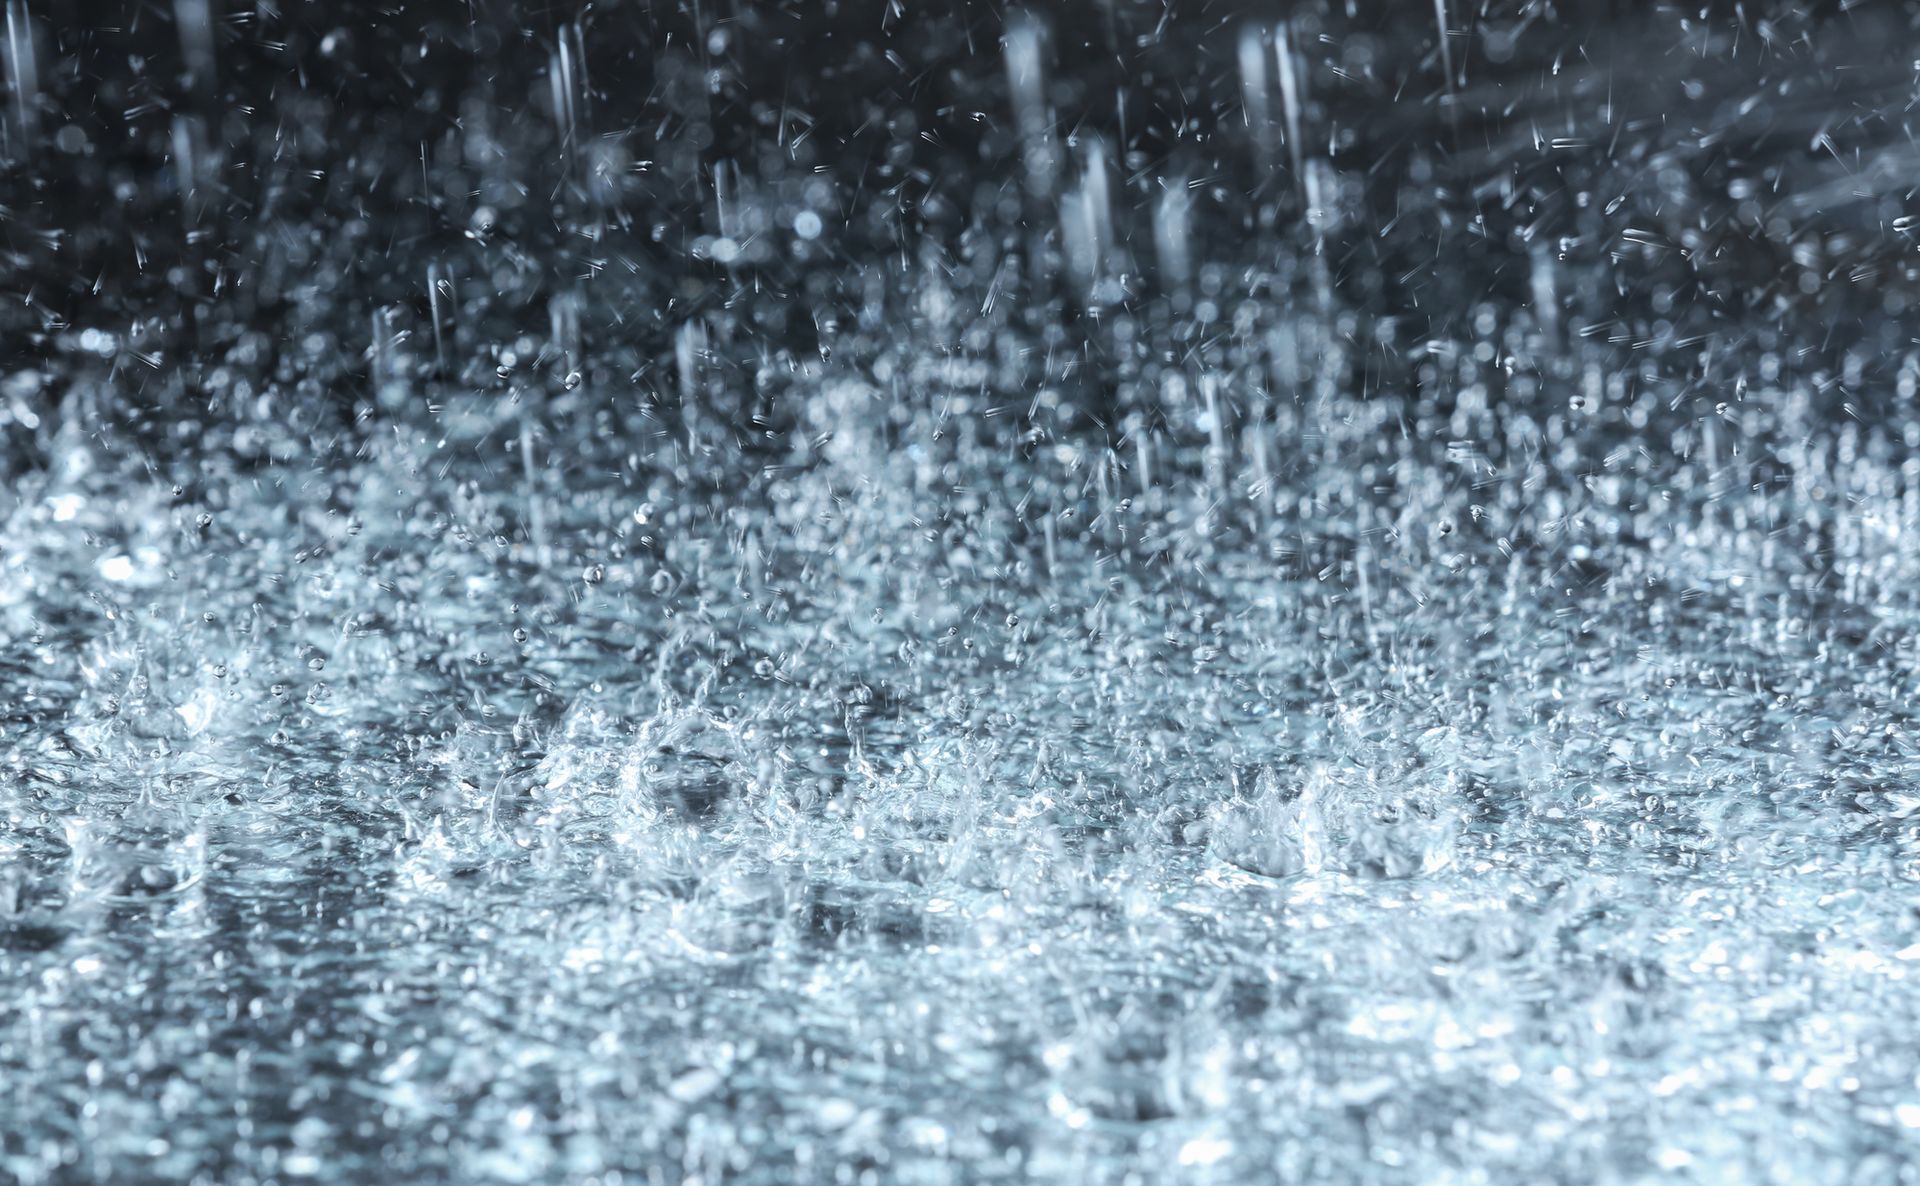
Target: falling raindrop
point(1073, 593)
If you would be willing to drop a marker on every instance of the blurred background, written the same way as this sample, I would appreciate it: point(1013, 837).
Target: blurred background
point(1504, 205)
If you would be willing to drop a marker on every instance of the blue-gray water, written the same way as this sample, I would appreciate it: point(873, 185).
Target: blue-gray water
point(1054, 659)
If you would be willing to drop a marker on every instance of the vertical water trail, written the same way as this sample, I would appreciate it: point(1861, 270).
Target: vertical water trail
point(1143, 462)
point(436, 299)
point(187, 162)
point(1283, 52)
point(1258, 434)
point(560, 83)
point(1545, 291)
point(689, 342)
point(725, 211)
point(1255, 102)
point(1098, 198)
point(536, 508)
point(579, 85)
point(194, 22)
point(377, 366)
point(1086, 225)
point(1172, 239)
point(1026, 79)
point(23, 73)
point(563, 328)
point(1363, 562)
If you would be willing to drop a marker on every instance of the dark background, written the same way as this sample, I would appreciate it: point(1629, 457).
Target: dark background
point(272, 188)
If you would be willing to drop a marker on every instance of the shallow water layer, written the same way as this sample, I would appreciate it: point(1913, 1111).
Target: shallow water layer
point(357, 844)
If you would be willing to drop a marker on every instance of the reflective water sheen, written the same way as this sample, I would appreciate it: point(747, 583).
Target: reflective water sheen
point(345, 840)
point(1111, 593)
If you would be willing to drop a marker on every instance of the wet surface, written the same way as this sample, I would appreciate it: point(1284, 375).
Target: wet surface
point(1044, 646)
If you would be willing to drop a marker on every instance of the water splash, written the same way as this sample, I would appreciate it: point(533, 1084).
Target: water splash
point(680, 598)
